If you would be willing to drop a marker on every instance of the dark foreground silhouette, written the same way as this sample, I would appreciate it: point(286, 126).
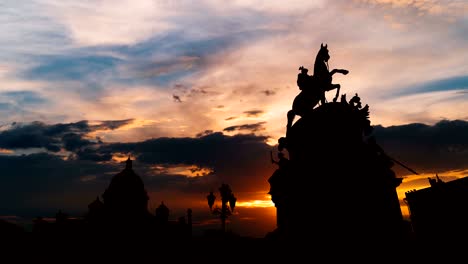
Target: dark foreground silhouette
point(337, 186)
point(336, 174)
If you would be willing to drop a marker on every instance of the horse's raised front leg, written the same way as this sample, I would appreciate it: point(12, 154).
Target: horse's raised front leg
point(342, 71)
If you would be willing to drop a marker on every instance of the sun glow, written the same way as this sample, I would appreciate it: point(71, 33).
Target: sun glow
point(182, 169)
point(6, 151)
point(255, 204)
point(120, 157)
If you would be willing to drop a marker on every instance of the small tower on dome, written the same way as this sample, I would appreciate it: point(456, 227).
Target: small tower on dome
point(128, 163)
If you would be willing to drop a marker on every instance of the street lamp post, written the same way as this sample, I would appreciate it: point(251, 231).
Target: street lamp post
point(225, 211)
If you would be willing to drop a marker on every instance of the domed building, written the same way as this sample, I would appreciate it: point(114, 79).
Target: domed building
point(124, 209)
point(124, 205)
point(126, 195)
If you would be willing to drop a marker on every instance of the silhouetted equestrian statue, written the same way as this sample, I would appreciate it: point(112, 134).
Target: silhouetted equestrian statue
point(313, 87)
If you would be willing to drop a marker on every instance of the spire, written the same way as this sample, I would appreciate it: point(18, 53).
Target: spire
point(128, 164)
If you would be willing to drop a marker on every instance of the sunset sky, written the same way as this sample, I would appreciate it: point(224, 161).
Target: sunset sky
point(196, 92)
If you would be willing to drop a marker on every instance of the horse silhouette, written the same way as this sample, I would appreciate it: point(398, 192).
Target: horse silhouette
point(313, 87)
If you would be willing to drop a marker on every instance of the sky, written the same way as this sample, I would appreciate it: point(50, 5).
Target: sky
point(196, 92)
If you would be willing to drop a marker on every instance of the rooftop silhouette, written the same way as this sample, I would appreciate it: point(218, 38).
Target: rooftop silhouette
point(123, 211)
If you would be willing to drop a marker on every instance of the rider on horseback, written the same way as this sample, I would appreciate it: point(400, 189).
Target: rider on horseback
point(313, 87)
point(304, 80)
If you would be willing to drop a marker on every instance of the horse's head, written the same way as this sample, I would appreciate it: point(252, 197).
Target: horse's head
point(323, 55)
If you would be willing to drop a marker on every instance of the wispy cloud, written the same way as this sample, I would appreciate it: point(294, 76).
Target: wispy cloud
point(456, 83)
point(249, 127)
point(253, 113)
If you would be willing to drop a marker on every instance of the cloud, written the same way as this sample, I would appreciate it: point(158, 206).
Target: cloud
point(142, 20)
point(268, 92)
point(41, 183)
point(231, 159)
point(251, 127)
point(253, 113)
point(425, 7)
point(205, 133)
point(191, 166)
point(457, 83)
point(56, 137)
point(23, 97)
point(227, 55)
point(176, 98)
point(71, 67)
point(427, 148)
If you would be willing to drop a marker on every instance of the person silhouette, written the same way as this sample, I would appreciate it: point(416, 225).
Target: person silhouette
point(304, 80)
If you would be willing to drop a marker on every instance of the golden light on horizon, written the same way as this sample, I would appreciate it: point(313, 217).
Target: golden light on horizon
point(182, 169)
point(255, 203)
point(421, 181)
point(119, 157)
point(5, 151)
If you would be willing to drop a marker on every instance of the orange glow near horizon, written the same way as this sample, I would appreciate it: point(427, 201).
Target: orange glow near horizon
point(119, 157)
point(420, 182)
point(257, 203)
point(182, 169)
point(5, 151)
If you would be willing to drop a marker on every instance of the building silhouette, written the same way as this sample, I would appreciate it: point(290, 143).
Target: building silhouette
point(126, 201)
point(439, 212)
point(123, 210)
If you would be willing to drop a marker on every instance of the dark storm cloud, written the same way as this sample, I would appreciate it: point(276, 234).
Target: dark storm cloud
point(41, 183)
point(251, 127)
point(70, 136)
point(202, 150)
point(235, 159)
point(48, 182)
point(253, 113)
point(92, 155)
point(72, 141)
point(427, 148)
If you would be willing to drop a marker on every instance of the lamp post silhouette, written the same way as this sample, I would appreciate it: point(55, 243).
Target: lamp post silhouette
point(225, 211)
